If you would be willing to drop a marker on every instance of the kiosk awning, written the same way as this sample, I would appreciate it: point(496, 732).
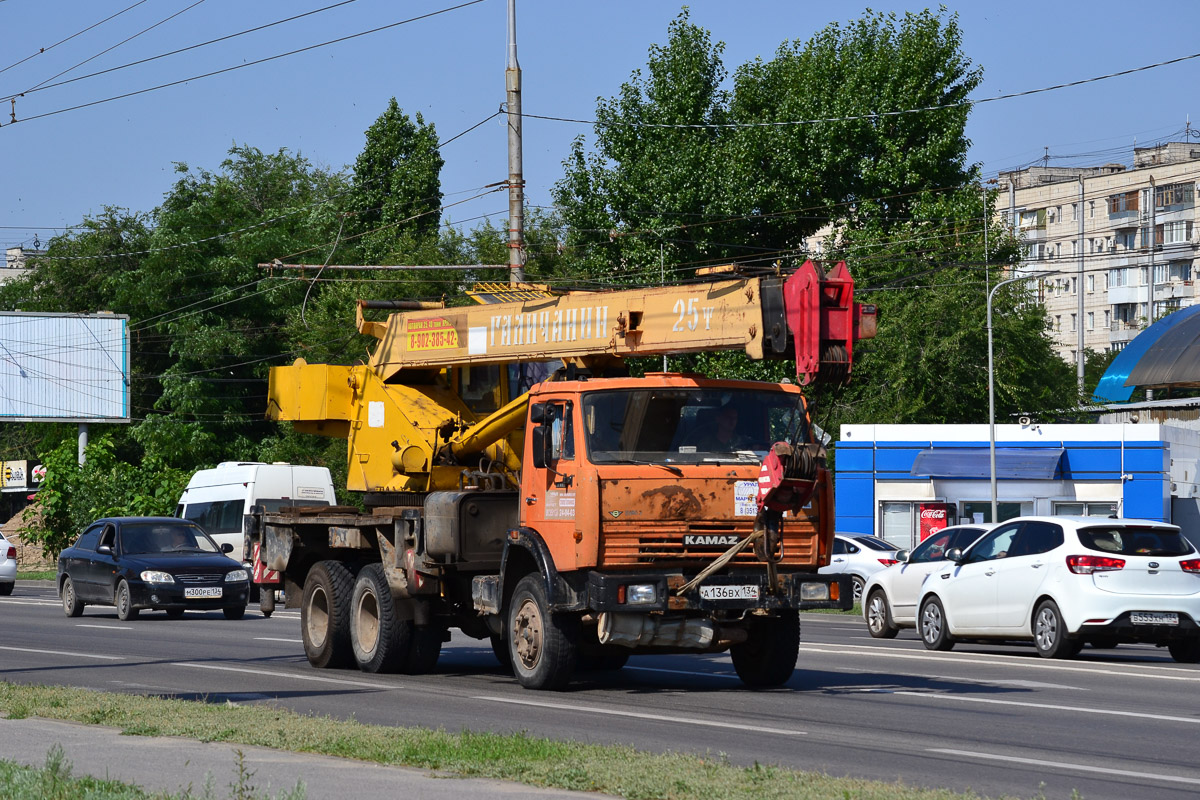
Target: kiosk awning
point(1019, 463)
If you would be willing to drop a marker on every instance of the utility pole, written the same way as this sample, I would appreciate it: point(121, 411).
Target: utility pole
point(516, 182)
point(1079, 360)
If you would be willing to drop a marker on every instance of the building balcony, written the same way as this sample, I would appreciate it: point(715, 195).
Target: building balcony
point(1123, 332)
point(1118, 295)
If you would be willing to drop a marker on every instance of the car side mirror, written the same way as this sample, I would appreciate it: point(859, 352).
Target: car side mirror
point(902, 556)
point(954, 554)
point(537, 413)
point(539, 446)
point(227, 548)
point(105, 550)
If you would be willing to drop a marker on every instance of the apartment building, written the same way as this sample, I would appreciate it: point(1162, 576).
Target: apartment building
point(1126, 239)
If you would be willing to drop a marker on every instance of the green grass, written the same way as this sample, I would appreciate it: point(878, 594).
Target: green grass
point(617, 770)
point(55, 781)
point(45, 575)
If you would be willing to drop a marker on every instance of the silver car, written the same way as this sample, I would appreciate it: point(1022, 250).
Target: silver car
point(891, 595)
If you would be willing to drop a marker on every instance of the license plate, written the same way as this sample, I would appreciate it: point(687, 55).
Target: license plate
point(743, 592)
point(1154, 618)
point(202, 591)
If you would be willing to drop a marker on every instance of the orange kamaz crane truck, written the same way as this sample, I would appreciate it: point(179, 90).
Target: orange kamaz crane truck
point(522, 487)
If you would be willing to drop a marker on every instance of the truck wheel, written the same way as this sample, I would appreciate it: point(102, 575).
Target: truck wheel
point(424, 650)
point(266, 599)
point(542, 646)
point(325, 615)
point(501, 652)
point(380, 640)
point(768, 656)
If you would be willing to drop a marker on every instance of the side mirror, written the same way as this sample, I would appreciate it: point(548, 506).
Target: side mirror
point(105, 550)
point(227, 548)
point(902, 556)
point(537, 413)
point(954, 554)
point(539, 443)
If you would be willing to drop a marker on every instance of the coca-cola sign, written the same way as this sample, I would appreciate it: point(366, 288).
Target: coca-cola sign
point(934, 517)
point(933, 513)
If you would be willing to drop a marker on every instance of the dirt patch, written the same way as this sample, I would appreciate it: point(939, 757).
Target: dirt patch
point(30, 557)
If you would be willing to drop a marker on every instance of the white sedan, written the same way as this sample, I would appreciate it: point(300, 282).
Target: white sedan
point(1064, 581)
point(890, 597)
point(860, 556)
point(8, 566)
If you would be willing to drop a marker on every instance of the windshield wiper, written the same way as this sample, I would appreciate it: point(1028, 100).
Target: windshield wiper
point(669, 467)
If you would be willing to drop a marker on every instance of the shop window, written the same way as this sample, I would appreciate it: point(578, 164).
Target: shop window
point(896, 523)
point(981, 511)
point(1077, 509)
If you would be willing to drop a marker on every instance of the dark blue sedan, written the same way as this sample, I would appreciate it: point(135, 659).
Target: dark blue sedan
point(160, 563)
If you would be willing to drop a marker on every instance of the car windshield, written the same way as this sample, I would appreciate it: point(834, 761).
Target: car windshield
point(689, 425)
point(1130, 540)
point(165, 537)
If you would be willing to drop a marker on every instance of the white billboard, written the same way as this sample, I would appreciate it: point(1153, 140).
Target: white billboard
point(64, 367)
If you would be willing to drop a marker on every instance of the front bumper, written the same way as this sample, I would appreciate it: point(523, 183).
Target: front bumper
point(604, 592)
point(171, 595)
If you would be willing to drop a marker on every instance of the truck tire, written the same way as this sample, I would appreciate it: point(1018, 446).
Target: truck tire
point(501, 652)
point(425, 647)
point(266, 599)
point(380, 640)
point(543, 646)
point(768, 656)
point(325, 615)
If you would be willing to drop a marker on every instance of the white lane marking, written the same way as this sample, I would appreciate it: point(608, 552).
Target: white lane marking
point(999, 660)
point(1037, 762)
point(286, 675)
point(1039, 685)
point(1048, 706)
point(8, 602)
point(272, 639)
point(684, 672)
point(105, 627)
point(642, 715)
point(63, 653)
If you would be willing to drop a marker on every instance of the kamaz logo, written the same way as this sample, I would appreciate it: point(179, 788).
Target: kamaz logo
point(710, 540)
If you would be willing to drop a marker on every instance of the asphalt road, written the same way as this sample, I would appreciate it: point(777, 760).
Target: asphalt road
point(996, 719)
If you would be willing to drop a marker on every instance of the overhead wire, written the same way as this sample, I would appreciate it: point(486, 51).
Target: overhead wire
point(48, 48)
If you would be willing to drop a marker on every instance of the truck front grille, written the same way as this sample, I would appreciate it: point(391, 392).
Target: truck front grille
point(640, 544)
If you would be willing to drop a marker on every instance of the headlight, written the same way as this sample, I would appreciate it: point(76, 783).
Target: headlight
point(155, 576)
point(640, 594)
point(236, 575)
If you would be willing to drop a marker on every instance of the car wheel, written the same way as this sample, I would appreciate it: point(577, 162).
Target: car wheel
point(768, 656)
point(174, 613)
point(1186, 651)
point(234, 612)
point(72, 605)
point(857, 585)
point(542, 645)
point(935, 633)
point(879, 616)
point(325, 615)
point(124, 603)
point(6, 588)
point(1050, 633)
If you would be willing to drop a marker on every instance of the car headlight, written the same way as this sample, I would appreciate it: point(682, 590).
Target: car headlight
point(157, 576)
point(237, 575)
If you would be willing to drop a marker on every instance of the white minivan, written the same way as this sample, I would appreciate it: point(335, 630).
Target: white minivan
point(217, 499)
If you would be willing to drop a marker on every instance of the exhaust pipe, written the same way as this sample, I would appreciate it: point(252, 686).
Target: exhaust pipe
point(642, 630)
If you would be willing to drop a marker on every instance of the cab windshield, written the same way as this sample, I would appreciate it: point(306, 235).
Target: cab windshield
point(689, 425)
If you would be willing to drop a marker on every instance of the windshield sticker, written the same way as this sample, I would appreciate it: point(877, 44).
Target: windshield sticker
point(745, 499)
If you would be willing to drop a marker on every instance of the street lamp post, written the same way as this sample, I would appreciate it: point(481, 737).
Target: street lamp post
point(992, 385)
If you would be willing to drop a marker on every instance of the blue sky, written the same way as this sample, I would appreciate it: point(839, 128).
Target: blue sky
point(59, 168)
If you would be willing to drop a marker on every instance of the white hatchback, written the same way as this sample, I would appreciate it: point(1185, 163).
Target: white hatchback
point(1064, 581)
point(8, 566)
point(860, 556)
point(890, 596)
